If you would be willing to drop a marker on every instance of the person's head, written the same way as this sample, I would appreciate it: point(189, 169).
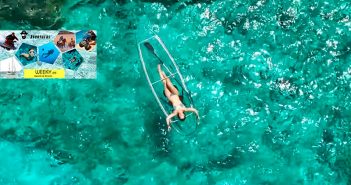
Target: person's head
point(81, 44)
point(87, 47)
point(13, 34)
point(31, 52)
point(181, 116)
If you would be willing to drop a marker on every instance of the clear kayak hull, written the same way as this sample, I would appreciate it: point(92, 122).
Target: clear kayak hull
point(150, 60)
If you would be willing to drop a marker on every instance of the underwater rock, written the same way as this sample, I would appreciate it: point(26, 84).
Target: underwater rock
point(228, 161)
point(110, 175)
point(20, 166)
point(342, 163)
point(169, 3)
point(34, 13)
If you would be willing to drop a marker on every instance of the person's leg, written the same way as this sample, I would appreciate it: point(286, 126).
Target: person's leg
point(167, 93)
point(160, 72)
point(171, 87)
point(169, 84)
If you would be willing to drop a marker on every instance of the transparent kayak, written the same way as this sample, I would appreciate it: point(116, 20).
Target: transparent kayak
point(150, 58)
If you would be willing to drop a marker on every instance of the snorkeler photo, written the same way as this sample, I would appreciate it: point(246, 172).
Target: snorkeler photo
point(72, 59)
point(27, 54)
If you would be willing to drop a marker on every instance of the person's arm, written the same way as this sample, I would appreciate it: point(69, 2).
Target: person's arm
point(168, 120)
point(193, 110)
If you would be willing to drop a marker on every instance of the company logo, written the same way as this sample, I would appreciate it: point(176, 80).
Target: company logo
point(24, 34)
point(40, 36)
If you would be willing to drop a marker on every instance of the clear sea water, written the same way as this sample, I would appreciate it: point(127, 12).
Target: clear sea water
point(271, 80)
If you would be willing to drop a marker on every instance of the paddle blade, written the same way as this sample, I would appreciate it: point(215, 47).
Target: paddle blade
point(149, 47)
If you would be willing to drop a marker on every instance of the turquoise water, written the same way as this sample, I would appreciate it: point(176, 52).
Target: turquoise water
point(271, 81)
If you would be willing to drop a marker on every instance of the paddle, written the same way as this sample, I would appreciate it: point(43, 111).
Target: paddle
point(152, 50)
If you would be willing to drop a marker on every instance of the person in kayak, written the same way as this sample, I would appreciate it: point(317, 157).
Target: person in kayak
point(172, 93)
